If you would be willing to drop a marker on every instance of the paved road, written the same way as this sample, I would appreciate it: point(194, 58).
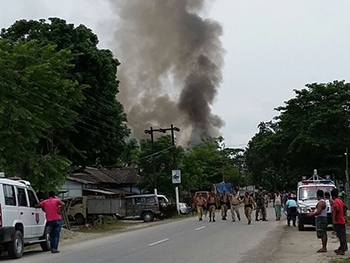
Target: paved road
point(181, 241)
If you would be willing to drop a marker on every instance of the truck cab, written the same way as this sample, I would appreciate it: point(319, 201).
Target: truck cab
point(307, 200)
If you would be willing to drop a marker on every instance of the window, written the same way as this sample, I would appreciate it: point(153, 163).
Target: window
point(138, 201)
point(21, 196)
point(77, 201)
point(32, 199)
point(9, 193)
point(150, 200)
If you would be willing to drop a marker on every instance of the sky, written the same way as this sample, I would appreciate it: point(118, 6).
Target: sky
point(271, 48)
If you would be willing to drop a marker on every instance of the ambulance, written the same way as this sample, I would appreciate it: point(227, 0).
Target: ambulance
point(307, 200)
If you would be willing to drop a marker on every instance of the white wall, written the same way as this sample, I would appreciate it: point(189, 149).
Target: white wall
point(74, 188)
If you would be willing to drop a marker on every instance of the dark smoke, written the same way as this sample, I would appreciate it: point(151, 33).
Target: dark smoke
point(171, 65)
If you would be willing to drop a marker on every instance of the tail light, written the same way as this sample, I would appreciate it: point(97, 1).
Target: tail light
point(0, 216)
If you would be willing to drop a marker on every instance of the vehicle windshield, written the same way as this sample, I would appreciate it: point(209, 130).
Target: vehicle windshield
point(309, 192)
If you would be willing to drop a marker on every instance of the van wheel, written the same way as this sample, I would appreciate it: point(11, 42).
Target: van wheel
point(301, 225)
point(15, 247)
point(79, 219)
point(45, 245)
point(147, 217)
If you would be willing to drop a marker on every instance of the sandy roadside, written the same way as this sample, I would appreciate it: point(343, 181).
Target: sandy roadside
point(299, 247)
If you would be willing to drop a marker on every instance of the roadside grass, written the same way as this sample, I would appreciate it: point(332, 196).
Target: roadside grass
point(341, 260)
point(106, 224)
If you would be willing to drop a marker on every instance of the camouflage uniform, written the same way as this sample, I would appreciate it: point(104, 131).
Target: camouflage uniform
point(224, 202)
point(212, 202)
point(260, 203)
point(200, 204)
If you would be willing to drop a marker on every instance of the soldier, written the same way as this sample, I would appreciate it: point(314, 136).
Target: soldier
point(235, 201)
point(260, 205)
point(200, 202)
point(212, 202)
point(249, 205)
point(224, 201)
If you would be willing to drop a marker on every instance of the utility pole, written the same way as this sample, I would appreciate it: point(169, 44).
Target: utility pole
point(347, 164)
point(151, 131)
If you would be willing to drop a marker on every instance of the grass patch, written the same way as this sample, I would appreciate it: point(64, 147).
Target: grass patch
point(341, 260)
point(105, 224)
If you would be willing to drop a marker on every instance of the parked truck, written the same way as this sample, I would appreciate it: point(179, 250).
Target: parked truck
point(84, 209)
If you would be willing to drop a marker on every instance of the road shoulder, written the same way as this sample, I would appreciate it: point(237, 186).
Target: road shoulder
point(288, 245)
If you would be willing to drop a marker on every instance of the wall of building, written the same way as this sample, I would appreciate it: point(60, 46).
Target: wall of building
point(72, 188)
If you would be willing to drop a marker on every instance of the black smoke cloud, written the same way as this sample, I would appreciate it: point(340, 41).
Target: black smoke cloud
point(171, 66)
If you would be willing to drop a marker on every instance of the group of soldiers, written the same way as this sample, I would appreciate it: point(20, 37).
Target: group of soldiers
point(232, 201)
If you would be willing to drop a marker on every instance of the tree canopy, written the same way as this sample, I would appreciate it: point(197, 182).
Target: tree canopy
point(310, 133)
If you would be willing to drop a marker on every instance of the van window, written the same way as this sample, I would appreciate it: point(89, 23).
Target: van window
point(32, 199)
point(9, 194)
point(138, 201)
point(150, 200)
point(77, 201)
point(21, 196)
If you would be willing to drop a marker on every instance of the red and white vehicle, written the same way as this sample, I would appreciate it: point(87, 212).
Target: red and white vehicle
point(21, 223)
point(306, 199)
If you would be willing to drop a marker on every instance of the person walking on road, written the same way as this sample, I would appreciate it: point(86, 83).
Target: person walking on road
point(200, 203)
point(52, 207)
point(235, 201)
point(339, 221)
point(277, 204)
point(212, 203)
point(291, 211)
point(260, 203)
point(321, 220)
point(224, 202)
point(249, 205)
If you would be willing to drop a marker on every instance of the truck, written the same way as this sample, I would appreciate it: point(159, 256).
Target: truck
point(83, 209)
point(306, 199)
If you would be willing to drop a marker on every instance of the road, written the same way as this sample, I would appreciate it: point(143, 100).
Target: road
point(187, 240)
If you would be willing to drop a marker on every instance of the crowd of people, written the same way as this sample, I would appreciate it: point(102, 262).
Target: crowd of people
point(233, 202)
point(286, 202)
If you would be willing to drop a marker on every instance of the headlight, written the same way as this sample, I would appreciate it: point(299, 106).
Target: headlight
point(304, 209)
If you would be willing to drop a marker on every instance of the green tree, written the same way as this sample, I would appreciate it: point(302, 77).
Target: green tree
point(34, 110)
point(156, 165)
point(98, 137)
point(311, 132)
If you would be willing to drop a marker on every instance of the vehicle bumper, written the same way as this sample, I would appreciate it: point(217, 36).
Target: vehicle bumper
point(311, 220)
point(6, 234)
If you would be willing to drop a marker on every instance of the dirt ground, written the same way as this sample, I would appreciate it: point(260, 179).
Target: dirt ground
point(288, 245)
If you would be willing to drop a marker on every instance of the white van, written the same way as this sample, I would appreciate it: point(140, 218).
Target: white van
point(21, 223)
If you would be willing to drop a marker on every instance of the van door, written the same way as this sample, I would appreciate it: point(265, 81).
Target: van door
point(38, 215)
point(25, 212)
point(129, 207)
point(139, 206)
point(9, 207)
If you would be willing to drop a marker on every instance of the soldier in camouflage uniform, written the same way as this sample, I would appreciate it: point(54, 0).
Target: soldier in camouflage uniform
point(212, 203)
point(224, 202)
point(260, 203)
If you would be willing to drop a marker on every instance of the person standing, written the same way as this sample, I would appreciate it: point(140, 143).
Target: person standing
point(235, 201)
point(343, 195)
point(260, 203)
point(200, 203)
point(52, 207)
point(249, 205)
point(212, 203)
point(277, 204)
point(291, 211)
point(321, 220)
point(224, 202)
point(339, 221)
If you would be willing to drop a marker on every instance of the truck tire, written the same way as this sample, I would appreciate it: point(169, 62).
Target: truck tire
point(147, 216)
point(79, 219)
point(45, 245)
point(15, 247)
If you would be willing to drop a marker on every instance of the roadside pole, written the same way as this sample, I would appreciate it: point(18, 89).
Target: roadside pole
point(177, 199)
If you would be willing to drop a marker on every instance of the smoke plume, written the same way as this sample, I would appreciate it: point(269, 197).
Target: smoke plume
point(171, 59)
